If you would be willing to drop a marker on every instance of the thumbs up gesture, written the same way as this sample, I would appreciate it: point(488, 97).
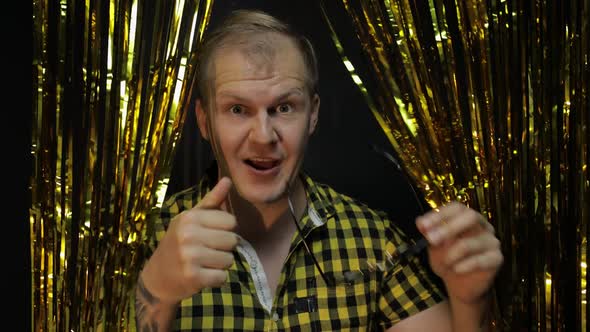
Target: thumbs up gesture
point(196, 250)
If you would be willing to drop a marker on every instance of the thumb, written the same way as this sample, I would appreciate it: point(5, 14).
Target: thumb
point(216, 196)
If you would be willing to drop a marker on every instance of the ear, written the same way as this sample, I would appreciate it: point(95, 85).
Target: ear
point(202, 120)
point(315, 110)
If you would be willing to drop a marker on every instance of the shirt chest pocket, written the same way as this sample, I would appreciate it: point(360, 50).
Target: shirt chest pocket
point(349, 302)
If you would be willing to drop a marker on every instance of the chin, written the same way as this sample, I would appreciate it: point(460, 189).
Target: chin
point(263, 195)
point(262, 187)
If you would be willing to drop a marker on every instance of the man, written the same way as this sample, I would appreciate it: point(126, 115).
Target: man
point(258, 245)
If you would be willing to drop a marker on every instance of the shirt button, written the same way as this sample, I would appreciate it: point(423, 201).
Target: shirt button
point(275, 317)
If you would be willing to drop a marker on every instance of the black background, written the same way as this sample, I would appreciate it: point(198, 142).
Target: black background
point(339, 153)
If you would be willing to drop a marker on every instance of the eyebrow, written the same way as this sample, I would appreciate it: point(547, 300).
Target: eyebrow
point(294, 91)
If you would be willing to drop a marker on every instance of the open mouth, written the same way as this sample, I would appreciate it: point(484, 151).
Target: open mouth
point(262, 165)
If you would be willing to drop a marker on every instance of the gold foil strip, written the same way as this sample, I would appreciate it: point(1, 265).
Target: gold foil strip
point(486, 102)
point(112, 80)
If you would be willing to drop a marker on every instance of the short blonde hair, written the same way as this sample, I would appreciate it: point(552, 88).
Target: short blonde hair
point(244, 24)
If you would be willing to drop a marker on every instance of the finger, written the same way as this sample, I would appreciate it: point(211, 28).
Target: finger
point(488, 226)
point(212, 277)
point(470, 246)
point(434, 218)
point(218, 239)
point(216, 196)
point(214, 259)
point(468, 220)
point(488, 260)
point(216, 219)
point(460, 223)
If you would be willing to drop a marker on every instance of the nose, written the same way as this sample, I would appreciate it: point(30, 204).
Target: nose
point(263, 130)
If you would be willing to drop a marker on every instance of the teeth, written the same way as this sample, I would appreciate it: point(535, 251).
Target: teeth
point(261, 159)
point(262, 163)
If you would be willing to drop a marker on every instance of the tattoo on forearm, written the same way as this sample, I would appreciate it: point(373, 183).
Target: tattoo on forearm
point(144, 303)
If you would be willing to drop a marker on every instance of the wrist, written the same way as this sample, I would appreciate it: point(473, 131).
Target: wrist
point(150, 280)
point(150, 312)
point(470, 316)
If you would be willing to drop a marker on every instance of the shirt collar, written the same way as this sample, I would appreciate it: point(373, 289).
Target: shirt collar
point(318, 199)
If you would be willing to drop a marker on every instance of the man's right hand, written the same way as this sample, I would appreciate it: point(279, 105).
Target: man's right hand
point(196, 250)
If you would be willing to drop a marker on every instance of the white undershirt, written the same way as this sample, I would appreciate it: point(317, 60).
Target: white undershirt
point(261, 286)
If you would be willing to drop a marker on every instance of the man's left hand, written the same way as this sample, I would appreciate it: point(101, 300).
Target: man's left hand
point(463, 250)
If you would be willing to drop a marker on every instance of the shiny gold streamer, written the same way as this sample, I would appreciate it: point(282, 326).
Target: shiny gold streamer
point(111, 81)
point(487, 102)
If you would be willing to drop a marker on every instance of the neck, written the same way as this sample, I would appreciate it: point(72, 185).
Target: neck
point(256, 222)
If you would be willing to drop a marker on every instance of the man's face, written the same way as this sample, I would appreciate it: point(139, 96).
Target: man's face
point(261, 114)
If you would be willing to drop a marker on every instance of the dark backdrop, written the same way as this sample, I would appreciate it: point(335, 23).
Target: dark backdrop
point(339, 153)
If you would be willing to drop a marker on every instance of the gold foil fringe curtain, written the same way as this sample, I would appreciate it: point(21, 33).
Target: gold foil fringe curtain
point(486, 102)
point(111, 81)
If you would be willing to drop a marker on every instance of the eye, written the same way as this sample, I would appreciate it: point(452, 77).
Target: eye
point(237, 109)
point(284, 108)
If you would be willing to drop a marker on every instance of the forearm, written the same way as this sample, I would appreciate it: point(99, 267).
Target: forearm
point(151, 314)
point(469, 317)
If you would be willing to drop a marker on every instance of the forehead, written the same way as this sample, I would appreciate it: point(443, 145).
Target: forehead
point(259, 57)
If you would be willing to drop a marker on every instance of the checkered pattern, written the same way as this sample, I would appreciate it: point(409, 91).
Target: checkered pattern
point(351, 236)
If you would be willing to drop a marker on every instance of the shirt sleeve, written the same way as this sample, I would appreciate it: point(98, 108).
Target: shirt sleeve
point(408, 286)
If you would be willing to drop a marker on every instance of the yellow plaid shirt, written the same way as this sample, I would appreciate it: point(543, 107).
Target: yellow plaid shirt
point(347, 238)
